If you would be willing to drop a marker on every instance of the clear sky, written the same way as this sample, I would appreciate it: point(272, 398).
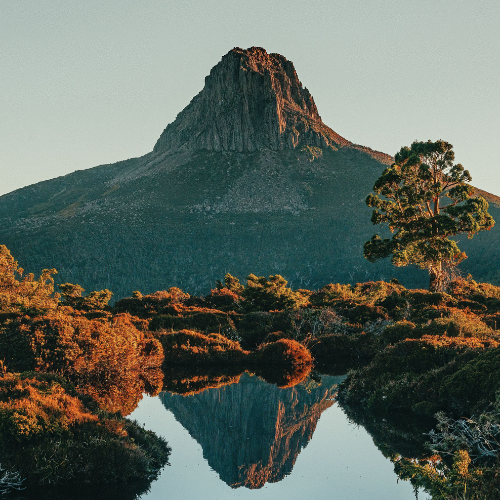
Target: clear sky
point(93, 82)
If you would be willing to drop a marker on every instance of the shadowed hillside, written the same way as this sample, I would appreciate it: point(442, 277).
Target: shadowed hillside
point(247, 179)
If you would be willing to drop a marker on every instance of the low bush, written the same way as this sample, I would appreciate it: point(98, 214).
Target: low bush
point(343, 350)
point(201, 319)
point(253, 327)
point(147, 306)
point(284, 353)
point(223, 298)
point(50, 436)
point(284, 362)
point(112, 361)
point(188, 347)
point(427, 375)
point(401, 330)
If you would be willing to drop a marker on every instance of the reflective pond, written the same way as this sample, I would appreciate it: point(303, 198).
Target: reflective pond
point(251, 439)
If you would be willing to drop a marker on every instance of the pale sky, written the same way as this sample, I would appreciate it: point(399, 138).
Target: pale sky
point(88, 83)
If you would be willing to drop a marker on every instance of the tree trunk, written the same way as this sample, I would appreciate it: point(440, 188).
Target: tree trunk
point(437, 275)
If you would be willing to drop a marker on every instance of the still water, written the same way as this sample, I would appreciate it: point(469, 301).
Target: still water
point(253, 440)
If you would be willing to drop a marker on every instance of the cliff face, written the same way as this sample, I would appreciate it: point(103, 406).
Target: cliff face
point(252, 432)
point(251, 100)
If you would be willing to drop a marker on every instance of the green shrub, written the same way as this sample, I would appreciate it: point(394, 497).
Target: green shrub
point(255, 326)
point(343, 350)
point(401, 330)
point(409, 375)
point(262, 294)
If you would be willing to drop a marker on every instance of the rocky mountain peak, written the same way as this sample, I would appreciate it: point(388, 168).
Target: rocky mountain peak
point(251, 101)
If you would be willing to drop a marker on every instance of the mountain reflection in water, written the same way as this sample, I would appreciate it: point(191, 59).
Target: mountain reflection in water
point(235, 430)
point(252, 432)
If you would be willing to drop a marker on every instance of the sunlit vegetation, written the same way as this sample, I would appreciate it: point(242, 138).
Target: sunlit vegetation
point(73, 365)
point(437, 370)
point(191, 380)
point(285, 353)
point(188, 347)
point(70, 369)
point(283, 362)
point(417, 353)
point(51, 435)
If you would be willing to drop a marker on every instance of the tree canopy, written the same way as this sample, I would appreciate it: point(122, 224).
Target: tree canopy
point(425, 200)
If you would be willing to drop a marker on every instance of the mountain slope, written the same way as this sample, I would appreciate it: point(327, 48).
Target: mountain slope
point(246, 179)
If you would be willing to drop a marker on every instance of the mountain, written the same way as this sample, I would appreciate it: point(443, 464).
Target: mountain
point(252, 432)
point(247, 179)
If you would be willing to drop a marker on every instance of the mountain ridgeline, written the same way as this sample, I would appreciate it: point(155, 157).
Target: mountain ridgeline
point(247, 179)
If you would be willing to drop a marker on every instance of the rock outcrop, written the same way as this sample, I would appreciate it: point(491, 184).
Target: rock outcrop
point(252, 100)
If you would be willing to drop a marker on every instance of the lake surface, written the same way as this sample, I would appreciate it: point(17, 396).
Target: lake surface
point(253, 440)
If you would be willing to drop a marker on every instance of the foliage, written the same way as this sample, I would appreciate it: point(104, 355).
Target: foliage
point(39, 405)
point(196, 318)
point(465, 460)
point(445, 481)
point(53, 426)
point(24, 295)
point(112, 361)
point(284, 362)
point(429, 374)
point(401, 330)
point(369, 293)
point(191, 348)
point(94, 301)
point(50, 436)
point(479, 436)
point(307, 323)
point(283, 353)
point(230, 283)
point(146, 306)
point(253, 327)
point(262, 294)
point(223, 298)
point(343, 350)
point(426, 200)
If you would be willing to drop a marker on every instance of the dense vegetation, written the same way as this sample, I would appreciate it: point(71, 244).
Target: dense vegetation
point(73, 366)
point(69, 371)
point(111, 227)
point(419, 356)
point(427, 200)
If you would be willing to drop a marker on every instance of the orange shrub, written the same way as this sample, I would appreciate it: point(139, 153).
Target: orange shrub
point(110, 360)
point(283, 353)
point(189, 347)
point(223, 298)
point(22, 295)
point(147, 306)
point(38, 405)
point(283, 378)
